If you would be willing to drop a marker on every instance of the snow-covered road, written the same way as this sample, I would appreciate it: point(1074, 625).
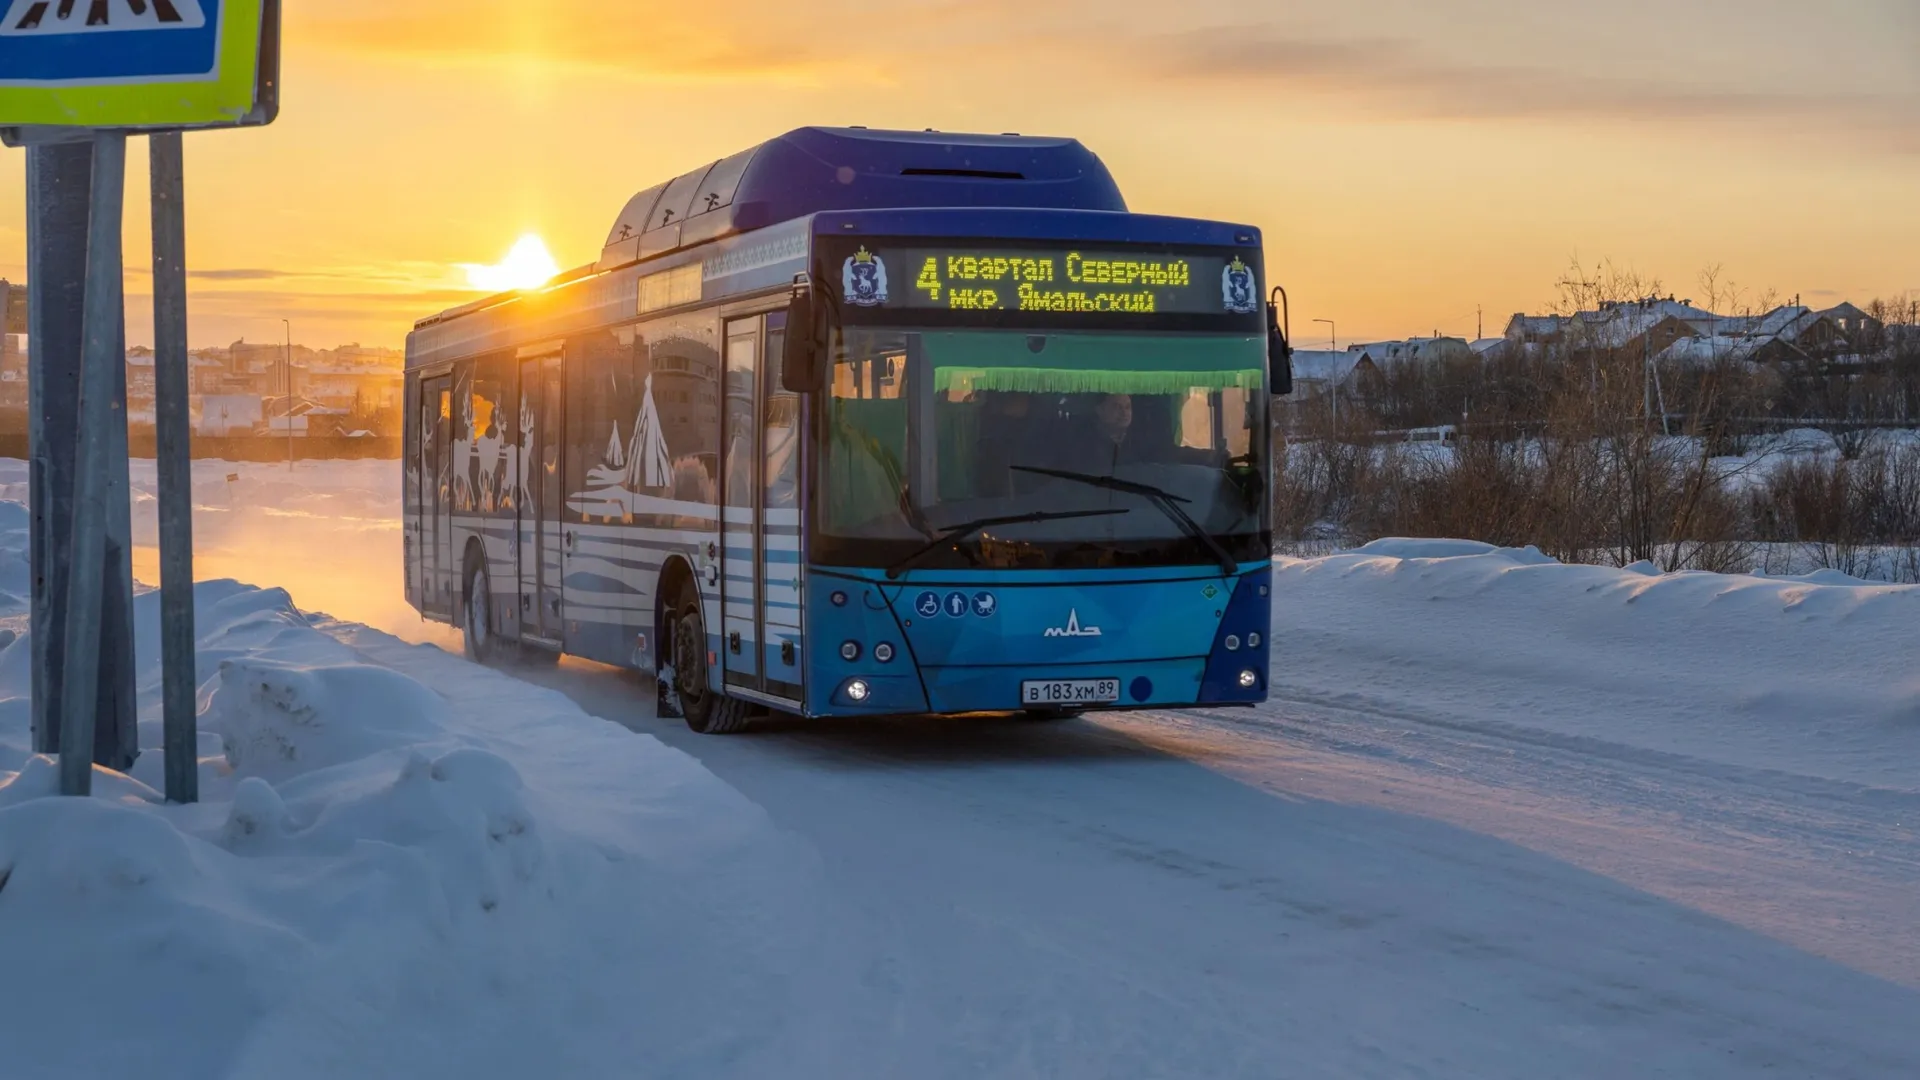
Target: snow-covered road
point(1503, 820)
point(1223, 895)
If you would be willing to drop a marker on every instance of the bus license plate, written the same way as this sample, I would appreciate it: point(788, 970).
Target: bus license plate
point(1069, 691)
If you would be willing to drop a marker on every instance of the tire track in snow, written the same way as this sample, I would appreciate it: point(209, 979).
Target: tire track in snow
point(1829, 867)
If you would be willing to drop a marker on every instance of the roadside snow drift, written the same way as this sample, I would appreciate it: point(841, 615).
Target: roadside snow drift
point(1811, 677)
point(381, 882)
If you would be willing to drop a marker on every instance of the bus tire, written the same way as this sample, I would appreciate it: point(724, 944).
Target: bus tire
point(706, 712)
point(483, 645)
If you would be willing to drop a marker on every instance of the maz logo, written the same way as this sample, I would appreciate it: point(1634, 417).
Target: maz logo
point(1073, 628)
point(34, 17)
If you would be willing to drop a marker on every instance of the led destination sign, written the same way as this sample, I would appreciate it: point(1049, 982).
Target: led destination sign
point(1063, 279)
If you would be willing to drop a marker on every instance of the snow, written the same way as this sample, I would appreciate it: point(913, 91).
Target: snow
point(1809, 677)
point(1504, 818)
point(406, 868)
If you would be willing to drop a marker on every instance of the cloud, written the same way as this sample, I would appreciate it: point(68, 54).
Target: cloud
point(423, 272)
point(239, 275)
point(1453, 74)
point(633, 38)
point(1397, 77)
point(408, 298)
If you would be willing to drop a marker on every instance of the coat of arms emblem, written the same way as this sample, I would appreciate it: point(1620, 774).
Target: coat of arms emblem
point(1237, 289)
point(864, 279)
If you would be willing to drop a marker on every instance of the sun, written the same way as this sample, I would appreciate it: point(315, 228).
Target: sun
point(528, 266)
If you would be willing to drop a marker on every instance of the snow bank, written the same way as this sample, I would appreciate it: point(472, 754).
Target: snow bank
point(1404, 548)
point(445, 872)
point(1812, 676)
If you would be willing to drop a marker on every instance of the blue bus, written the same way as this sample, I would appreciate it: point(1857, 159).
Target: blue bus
point(865, 423)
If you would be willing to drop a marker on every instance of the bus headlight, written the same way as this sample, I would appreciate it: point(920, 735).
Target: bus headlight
point(1249, 679)
point(883, 652)
point(858, 690)
point(850, 651)
point(1233, 643)
point(1253, 641)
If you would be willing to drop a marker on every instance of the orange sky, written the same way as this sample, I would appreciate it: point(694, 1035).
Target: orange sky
point(1408, 164)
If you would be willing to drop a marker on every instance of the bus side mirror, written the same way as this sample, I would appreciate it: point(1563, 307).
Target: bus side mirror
point(800, 359)
point(1279, 348)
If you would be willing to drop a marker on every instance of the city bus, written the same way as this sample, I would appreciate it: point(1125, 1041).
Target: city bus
point(865, 423)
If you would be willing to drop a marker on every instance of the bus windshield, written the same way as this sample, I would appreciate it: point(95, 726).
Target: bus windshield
point(1106, 439)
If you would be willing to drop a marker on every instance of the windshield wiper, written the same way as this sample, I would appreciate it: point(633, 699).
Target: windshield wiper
point(966, 529)
point(1166, 501)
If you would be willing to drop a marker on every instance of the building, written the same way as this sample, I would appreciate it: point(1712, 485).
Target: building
point(355, 389)
point(228, 414)
point(1788, 334)
point(1319, 371)
point(299, 416)
point(13, 344)
point(1426, 350)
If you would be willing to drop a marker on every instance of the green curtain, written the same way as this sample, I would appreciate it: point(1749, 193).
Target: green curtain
point(1093, 363)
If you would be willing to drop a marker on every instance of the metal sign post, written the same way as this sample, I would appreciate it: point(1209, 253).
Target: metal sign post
point(172, 389)
point(100, 350)
point(75, 80)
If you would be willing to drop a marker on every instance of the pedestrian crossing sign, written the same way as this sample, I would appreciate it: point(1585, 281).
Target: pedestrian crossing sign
point(69, 66)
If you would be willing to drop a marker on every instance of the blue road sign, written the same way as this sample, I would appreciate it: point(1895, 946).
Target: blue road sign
point(138, 64)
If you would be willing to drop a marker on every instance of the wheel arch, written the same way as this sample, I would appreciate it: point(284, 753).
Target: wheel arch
point(676, 572)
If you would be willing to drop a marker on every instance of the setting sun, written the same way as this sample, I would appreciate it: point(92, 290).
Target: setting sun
point(529, 265)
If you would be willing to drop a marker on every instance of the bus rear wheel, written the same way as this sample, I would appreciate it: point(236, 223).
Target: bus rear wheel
point(707, 712)
point(482, 645)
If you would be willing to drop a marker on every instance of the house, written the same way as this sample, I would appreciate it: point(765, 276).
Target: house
point(1794, 332)
point(1647, 327)
point(1859, 328)
point(1787, 334)
point(1428, 350)
point(228, 414)
point(140, 386)
point(1319, 371)
point(267, 368)
point(1706, 352)
point(300, 416)
point(1536, 330)
point(339, 386)
point(1497, 349)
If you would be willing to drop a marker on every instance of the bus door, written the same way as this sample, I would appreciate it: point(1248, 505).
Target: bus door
point(437, 572)
point(537, 508)
point(782, 566)
point(740, 533)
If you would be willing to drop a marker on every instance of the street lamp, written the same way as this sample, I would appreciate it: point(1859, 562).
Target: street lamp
point(289, 380)
point(1333, 344)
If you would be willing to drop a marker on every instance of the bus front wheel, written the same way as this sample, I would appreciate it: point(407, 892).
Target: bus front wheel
point(707, 712)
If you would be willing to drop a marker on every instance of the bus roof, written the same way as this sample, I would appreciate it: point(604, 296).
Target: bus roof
point(816, 169)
